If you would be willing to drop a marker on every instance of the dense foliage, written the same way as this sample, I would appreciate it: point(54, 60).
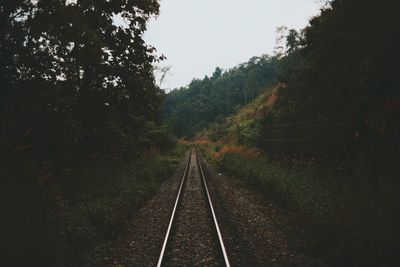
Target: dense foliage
point(190, 109)
point(342, 81)
point(73, 82)
point(342, 104)
point(77, 89)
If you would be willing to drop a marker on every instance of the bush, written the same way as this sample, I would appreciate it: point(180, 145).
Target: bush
point(100, 208)
point(324, 204)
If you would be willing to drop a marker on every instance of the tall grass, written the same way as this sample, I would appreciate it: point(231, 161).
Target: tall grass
point(314, 192)
point(329, 214)
point(71, 220)
point(108, 196)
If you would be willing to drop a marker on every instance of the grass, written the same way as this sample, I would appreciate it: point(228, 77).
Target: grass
point(107, 198)
point(326, 213)
point(73, 219)
point(242, 127)
point(309, 190)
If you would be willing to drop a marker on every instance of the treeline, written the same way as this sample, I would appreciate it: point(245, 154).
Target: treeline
point(188, 110)
point(77, 90)
point(342, 83)
point(341, 107)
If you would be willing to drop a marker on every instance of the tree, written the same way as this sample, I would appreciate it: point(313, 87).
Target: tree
point(76, 67)
point(163, 72)
point(341, 104)
point(76, 88)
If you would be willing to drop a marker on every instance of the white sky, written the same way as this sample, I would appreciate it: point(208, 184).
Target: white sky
point(197, 36)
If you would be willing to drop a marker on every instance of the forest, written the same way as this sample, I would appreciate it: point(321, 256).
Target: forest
point(83, 120)
point(189, 109)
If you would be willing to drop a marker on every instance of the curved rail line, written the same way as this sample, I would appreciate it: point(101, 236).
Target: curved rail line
point(205, 186)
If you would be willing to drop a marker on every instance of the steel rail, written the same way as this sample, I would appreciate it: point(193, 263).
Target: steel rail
point(160, 259)
point(221, 242)
point(213, 212)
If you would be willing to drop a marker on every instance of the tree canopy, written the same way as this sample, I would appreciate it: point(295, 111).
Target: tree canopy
point(341, 76)
point(74, 81)
point(190, 109)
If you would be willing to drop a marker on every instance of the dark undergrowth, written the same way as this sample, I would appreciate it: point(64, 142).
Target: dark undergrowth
point(90, 207)
point(347, 223)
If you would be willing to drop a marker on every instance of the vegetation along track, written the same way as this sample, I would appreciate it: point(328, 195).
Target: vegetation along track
point(193, 236)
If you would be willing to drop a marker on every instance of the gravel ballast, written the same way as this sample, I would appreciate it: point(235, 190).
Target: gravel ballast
point(254, 231)
point(142, 244)
point(193, 239)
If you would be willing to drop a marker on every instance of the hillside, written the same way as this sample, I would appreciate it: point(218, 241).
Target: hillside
point(243, 127)
point(190, 109)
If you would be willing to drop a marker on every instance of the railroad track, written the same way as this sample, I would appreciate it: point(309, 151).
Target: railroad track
point(193, 235)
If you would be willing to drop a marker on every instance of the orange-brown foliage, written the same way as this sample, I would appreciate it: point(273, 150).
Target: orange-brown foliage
point(185, 142)
point(205, 141)
point(271, 100)
point(245, 151)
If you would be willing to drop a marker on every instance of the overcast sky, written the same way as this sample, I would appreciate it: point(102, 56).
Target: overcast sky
point(197, 36)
